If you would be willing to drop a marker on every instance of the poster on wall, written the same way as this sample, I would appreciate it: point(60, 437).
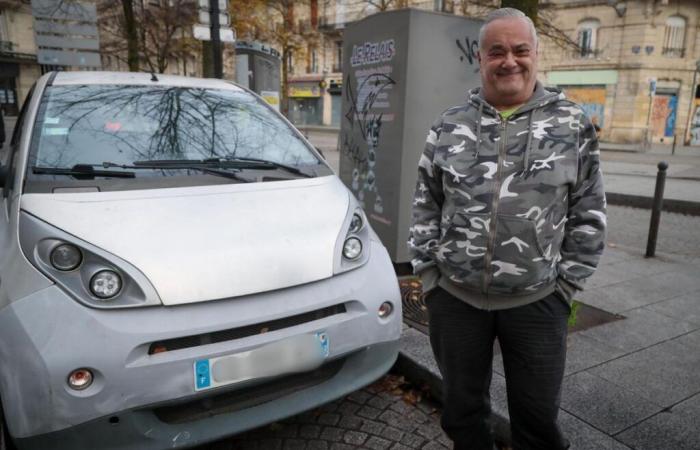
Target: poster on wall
point(663, 115)
point(592, 101)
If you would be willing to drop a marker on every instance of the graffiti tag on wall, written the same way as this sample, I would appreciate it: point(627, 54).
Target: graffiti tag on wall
point(468, 50)
point(369, 95)
point(695, 126)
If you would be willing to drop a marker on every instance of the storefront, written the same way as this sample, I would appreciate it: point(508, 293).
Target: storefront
point(590, 89)
point(305, 102)
point(335, 89)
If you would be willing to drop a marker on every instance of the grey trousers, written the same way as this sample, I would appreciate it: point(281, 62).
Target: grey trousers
point(533, 343)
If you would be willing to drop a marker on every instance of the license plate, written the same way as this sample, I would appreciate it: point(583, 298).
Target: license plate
point(296, 354)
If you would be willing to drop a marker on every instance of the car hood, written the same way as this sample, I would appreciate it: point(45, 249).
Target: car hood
point(210, 242)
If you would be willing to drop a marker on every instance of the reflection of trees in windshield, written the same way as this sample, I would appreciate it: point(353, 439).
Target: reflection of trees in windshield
point(92, 124)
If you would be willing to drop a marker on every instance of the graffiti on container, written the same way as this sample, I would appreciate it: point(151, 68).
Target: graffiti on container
point(468, 50)
point(370, 89)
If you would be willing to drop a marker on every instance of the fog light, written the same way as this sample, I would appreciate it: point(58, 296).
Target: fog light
point(352, 248)
point(80, 379)
point(105, 284)
point(66, 257)
point(356, 223)
point(385, 309)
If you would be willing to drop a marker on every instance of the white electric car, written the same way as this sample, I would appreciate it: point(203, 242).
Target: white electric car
point(177, 264)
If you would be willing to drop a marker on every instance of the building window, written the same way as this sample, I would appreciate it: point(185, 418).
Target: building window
point(313, 60)
point(587, 37)
point(446, 6)
point(674, 37)
point(338, 62)
point(290, 62)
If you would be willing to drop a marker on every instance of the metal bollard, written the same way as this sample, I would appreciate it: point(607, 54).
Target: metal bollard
point(656, 209)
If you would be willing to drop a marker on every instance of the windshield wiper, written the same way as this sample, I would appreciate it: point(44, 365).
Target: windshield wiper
point(225, 163)
point(82, 172)
point(265, 162)
point(174, 164)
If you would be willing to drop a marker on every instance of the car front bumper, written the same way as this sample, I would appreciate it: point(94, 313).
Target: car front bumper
point(47, 335)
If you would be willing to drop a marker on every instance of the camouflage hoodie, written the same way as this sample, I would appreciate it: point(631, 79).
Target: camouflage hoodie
point(506, 210)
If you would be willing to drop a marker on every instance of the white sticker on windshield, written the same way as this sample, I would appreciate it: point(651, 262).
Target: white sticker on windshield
point(51, 120)
point(55, 131)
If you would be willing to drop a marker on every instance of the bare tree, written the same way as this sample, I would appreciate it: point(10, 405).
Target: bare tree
point(543, 15)
point(142, 33)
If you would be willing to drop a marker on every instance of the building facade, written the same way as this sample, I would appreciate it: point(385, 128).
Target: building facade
point(635, 67)
point(18, 55)
point(633, 64)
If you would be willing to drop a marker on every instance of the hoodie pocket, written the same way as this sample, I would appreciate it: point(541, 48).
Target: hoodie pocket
point(462, 247)
point(519, 265)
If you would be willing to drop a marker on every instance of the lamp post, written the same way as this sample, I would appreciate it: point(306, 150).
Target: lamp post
point(693, 88)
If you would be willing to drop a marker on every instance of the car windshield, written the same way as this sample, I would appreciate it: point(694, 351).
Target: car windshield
point(94, 124)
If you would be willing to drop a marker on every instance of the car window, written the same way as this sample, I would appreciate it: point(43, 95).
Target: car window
point(92, 124)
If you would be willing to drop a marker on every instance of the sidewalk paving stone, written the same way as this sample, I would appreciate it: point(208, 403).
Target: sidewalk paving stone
point(668, 430)
point(603, 404)
point(610, 274)
point(584, 352)
point(635, 293)
point(685, 307)
point(665, 374)
point(585, 437)
point(642, 328)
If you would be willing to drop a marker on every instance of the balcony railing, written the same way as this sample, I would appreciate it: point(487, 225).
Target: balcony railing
point(673, 52)
point(324, 25)
point(7, 46)
point(587, 53)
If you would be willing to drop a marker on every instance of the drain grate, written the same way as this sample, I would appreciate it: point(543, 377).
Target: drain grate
point(415, 314)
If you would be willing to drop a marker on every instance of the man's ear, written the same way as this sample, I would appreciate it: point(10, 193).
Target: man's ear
point(478, 56)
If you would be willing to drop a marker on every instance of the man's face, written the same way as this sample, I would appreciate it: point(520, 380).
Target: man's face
point(508, 59)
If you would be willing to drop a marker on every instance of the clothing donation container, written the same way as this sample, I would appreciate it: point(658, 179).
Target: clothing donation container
point(401, 69)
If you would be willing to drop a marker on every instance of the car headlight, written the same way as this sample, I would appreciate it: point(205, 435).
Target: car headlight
point(352, 248)
point(66, 257)
point(87, 273)
point(356, 223)
point(105, 284)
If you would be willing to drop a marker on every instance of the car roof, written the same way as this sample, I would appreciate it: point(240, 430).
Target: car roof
point(140, 78)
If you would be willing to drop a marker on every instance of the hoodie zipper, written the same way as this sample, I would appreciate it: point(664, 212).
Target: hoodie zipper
point(494, 212)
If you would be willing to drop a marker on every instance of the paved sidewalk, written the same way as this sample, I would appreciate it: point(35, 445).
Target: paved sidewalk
point(630, 177)
point(374, 418)
point(629, 384)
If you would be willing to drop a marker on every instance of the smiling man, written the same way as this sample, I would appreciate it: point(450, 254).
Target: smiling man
point(508, 223)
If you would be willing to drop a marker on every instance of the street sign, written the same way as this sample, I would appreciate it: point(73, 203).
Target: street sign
point(204, 18)
point(203, 33)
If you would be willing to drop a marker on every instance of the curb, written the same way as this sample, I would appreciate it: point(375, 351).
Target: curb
point(669, 205)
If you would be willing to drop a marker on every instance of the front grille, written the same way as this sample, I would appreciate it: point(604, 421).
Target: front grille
point(241, 332)
point(247, 397)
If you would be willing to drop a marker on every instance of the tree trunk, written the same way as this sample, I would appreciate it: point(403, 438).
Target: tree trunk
point(132, 36)
point(285, 76)
point(529, 7)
